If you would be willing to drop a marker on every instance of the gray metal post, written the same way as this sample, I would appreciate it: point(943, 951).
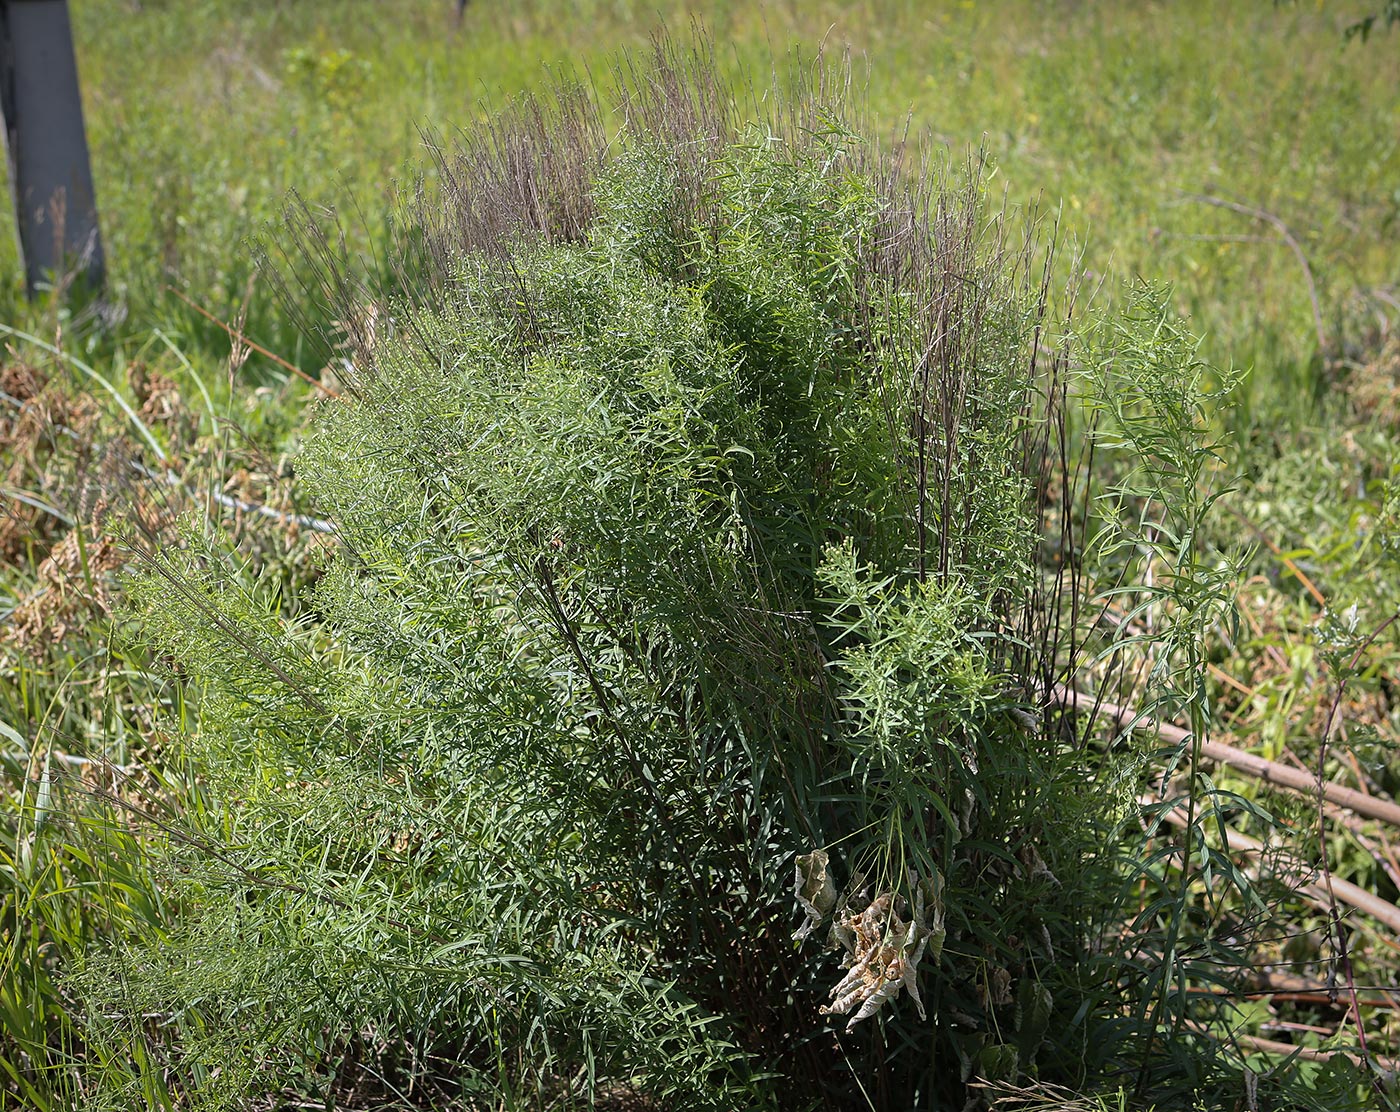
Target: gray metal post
point(50, 177)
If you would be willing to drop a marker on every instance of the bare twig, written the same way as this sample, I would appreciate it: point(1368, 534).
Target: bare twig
point(1383, 911)
point(1285, 234)
point(239, 338)
point(1270, 772)
point(1272, 985)
point(1271, 1046)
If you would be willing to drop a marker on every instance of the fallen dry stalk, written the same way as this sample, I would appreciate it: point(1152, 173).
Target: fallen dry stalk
point(1381, 910)
point(239, 338)
point(1269, 772)
point(1271, 1046)
point(1271, 985)
point(1286, 236)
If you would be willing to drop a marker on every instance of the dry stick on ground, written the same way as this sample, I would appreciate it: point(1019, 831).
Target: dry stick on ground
point(1366, 782)
point(1315, 993)
point(1275, 985)
point(1326, 895)
point(1324, 898)
point(1270, 772)
point(1271, 1046)
point(1381, 910)
point(1383, 853)
point(1286, 234)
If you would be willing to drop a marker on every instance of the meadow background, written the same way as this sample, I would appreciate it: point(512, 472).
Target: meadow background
point(1244, 155)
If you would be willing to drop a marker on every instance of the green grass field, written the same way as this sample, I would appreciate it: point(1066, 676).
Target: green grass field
point(202, 116)
point(1244, 155)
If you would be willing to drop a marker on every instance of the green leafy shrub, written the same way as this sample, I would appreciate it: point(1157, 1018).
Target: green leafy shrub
point(686, 597)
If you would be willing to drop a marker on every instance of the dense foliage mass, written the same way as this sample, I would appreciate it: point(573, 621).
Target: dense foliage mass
point(738, 631)
point(686, 587)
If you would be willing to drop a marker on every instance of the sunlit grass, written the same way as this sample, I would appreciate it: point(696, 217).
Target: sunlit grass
point(1126, 123)
point(202, 116)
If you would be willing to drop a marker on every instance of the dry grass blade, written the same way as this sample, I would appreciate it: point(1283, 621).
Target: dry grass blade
point(240, 339)
point(1037, 1096)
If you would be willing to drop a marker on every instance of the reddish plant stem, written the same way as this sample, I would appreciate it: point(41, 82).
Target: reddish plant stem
point(238, 336)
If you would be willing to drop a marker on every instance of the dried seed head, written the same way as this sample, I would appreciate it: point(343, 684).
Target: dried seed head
point(884, 948)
